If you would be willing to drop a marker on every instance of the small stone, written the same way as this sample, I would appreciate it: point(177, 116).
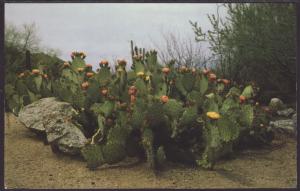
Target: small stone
point(286, 112)
point(285, 125)
point(276, 104)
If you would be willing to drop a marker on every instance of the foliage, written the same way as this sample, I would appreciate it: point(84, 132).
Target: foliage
point(256, 42)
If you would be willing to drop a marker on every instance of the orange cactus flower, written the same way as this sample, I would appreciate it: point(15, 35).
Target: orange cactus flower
point(103, 62)
point(225, 81)
point(212, 77)
point(80, 69)
point(193, 70)
point(132, 98)
point(85, 85)
point(183, 69)
point(89, 74)
point(164, 98)
point(166, 70)
point(21, 75)
point(132, 90)
point(35, 71)
point(206, 71)
point(242, 99)
point(66, 64)
point(104, 92)
point(122, 62)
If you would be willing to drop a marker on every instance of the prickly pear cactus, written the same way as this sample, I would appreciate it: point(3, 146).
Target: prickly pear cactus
point(152, 111)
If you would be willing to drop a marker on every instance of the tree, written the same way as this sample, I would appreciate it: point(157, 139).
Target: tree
point(183, 51)
point(24, 38)
point(22, 41)
point(256, 42)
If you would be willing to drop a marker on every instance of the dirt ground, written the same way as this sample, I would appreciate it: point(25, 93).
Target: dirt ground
point(31, 164)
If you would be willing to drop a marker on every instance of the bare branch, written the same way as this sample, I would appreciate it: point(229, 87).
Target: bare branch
point(184, 51)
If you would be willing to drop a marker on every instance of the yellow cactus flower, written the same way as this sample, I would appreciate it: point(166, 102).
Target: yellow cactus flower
point(213, 115)
point(147, 78)
point(140, 74)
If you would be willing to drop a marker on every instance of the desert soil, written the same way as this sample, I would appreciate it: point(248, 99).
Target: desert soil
point(31, 164)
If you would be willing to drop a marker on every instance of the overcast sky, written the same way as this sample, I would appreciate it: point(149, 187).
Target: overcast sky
point(105, 30)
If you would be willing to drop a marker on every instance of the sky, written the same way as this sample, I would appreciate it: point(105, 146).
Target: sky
point(104, 30)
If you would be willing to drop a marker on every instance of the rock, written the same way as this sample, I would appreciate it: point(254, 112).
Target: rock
point(55, 118)
point(276, 104)
point(30, 116)
point(65, 134)
point(72, 142)
point(286, 112)
point(285, 126)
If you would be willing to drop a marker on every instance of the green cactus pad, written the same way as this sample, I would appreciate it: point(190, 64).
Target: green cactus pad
point(33, 97)
point(139, 67)
point(93, 92)
point(233, 92)
point(215, 137)
point(189, 116)
point(93, 155)
point(188, 81)
point(78, 99)
point(141, 87)
point(211, 105)
point(118, 134)
point(162, 90)
point(77, 62)
point(114, 152)
point(173, 109)
point(9, 90)
point(20, 87)
point(248, 92)
point(154, 115)
point(220, 87)
point(137, 119)
point(160, 156)
point(104, 109)
point(195, 97)
point(180, 87)
point(70, 75)
point(247, 115)
point(203, 85)
point(228, 104)
point(147, 142)
point(228, 128)
point(104, 76)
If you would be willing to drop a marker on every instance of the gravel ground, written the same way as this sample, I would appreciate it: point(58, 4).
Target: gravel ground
point(31, 164)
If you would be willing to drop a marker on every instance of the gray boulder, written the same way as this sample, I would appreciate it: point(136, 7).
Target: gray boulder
point(286, 112)
point(276, 104)
point(55, 119)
